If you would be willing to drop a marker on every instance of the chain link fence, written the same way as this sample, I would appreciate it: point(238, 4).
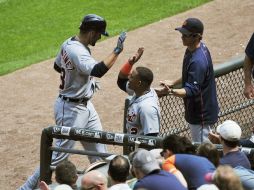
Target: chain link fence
point(233, 105)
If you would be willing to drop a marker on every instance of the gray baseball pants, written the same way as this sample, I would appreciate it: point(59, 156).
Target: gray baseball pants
point(73, 115)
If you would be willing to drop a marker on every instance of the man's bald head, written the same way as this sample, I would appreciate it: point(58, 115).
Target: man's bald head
point(94, 178)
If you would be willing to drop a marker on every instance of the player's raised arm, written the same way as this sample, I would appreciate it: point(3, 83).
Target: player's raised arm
point(102, 67)
point(126, 69)
point(110, 60)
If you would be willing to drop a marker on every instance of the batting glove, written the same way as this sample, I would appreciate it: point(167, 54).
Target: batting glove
point(119, 47)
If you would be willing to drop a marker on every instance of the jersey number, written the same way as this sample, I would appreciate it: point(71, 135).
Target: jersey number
point(62, 77)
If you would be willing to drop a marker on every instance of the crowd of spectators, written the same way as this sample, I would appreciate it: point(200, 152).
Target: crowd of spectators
point(178, 165)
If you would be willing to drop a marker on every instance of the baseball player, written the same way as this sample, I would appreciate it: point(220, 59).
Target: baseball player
point(143, 114)
point(77, 70)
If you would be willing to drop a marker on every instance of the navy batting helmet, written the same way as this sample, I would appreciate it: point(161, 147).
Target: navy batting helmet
point(94, 22)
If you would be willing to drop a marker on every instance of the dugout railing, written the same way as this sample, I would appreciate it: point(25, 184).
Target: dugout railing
point(80, 134)
point(233, 105)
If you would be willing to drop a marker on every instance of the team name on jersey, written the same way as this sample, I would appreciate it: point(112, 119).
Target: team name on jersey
point(66, 60)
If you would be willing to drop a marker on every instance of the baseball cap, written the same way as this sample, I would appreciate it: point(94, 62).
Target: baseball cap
point(191, 26)
point(229, 130)
point(144, 160)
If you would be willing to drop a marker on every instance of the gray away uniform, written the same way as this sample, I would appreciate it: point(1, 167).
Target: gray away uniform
point(76, 65)
point(143, 114)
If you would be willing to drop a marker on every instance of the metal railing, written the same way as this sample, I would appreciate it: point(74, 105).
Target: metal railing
point(80, 134)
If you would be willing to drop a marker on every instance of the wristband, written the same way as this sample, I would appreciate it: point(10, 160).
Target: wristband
point(126, 68)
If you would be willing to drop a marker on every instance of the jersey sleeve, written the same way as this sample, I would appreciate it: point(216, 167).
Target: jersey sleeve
point(169, 164)
point(58, 60)
point(196, 75)
point(84, 62)
point(150, 119)
point(250, 48)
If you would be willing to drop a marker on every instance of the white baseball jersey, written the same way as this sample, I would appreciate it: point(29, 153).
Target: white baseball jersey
point(76, 64)
point(143, 114)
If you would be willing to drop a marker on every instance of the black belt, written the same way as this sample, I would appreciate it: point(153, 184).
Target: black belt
point(75, 100)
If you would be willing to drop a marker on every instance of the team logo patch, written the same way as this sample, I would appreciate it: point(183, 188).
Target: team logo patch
point(131, 117)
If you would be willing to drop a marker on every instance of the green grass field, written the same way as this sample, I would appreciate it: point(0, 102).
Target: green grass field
point(33, 30)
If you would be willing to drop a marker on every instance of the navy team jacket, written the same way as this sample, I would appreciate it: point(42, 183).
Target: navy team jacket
point(201, 106)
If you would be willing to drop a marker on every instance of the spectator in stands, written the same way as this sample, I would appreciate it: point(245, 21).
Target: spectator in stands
point(225, 178)
point(44, 186)
point(209, 151)
point(149, 174)
point(246, 176)
point(65, 173)
point(178, 153)
point(94, 180)
point(249, 142)
point(229, 134)
point(118, 172)
point(248, 69)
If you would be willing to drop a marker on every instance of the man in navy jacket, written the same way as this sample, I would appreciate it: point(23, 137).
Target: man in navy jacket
point(198, 83)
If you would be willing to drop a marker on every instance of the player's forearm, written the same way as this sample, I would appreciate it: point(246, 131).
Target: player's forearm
point(125, 70)
point(179, 92)
point(110, 60)
point(247, 68)
point(178, 81)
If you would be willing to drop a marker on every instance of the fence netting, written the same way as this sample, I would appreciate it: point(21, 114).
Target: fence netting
point(233, 105)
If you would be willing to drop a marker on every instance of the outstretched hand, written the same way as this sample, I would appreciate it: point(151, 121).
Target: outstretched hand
point(137, 56)
point(167, 83)
point(119, 47)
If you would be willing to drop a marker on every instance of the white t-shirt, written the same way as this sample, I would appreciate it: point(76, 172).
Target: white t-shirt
point(120, 186)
